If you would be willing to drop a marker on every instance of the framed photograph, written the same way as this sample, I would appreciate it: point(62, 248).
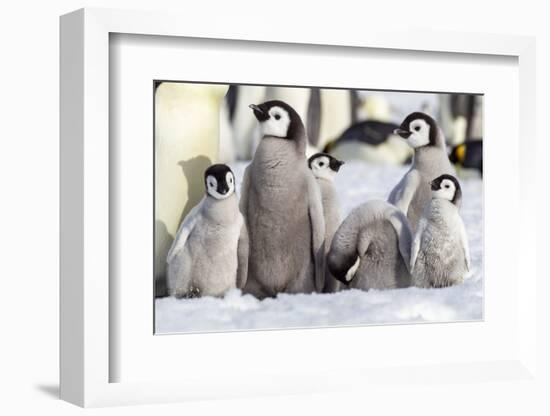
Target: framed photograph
point(237, 211)
point(353, 155)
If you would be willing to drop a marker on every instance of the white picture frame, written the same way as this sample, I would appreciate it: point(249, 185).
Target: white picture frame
point(86, 305)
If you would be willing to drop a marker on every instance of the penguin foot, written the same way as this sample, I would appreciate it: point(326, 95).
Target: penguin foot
point(193, 292)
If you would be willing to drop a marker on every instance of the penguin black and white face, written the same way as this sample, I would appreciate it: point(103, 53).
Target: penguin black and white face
point(446, 187)
point(277, 119)
point(418, 129)
point(324, 165)
point(219, 181)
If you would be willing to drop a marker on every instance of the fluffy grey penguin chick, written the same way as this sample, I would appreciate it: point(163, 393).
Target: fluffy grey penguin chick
point(430, 160)
point(283, 210)
point(324, 168)
point(370, 250)
point(209, 255)
point(440, 255)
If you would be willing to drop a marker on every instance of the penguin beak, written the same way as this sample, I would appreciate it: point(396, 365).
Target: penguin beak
point(434, 185)
point(403, 133)
point(336, 164)
point(260, 114)
point(223, 189)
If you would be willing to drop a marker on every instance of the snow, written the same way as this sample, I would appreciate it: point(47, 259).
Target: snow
point(356, 183)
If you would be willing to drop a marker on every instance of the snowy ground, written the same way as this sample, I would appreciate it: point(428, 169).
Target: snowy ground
point(356, 183)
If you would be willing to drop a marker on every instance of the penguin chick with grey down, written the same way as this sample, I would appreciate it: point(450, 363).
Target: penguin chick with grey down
point(282, 206)
point(430, 160)
point(324, 168)
point(370, 250)
point(440, 255)
point(209, 255)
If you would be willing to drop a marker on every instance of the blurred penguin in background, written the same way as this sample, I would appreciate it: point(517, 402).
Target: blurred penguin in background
point(227, 151)
point(186, 143)
point(335, 116)
point(461, 117)
point(243, 127)
point(372, 140)
point(468, 158)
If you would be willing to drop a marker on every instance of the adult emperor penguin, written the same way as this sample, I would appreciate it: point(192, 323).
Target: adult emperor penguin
point(370, 250)
point(282, 206)
point(324, 168)
point(468, 158)
point(430, 160)
point(243, 126)
point(209, 255)
point(372, 141)
point(440, 255)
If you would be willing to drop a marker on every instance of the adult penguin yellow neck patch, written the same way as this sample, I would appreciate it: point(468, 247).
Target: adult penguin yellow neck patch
point(460, 153)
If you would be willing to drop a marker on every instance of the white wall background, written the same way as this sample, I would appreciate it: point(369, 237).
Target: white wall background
point(29, 199)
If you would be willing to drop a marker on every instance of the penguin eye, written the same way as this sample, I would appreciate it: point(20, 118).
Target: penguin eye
point(447, 186)
point(277, 116)
point(417, 128)
point(321, 164)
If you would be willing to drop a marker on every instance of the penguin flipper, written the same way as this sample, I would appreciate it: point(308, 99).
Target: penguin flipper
point(403, 193)
point(415, 247)
point(242, 256)
point(317, 224)
point(465, 245)
point(184, 231)
point(402, 228)
point(243, 201)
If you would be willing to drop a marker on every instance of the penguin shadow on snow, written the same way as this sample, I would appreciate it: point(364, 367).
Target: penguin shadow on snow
point(164, 239)
point(193, 169)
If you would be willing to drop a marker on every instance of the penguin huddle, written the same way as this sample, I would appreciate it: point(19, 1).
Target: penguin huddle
point(285, 234)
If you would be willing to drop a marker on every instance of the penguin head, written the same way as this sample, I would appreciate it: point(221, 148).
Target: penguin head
point(278, 119)
point(324, 165)
point(420, 130)
point(219, 181)
point(446, 187)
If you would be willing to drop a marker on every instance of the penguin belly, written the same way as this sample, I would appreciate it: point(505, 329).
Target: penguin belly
point(209, 264)
point(381, 266)
point(440, 261)
point(280, 257)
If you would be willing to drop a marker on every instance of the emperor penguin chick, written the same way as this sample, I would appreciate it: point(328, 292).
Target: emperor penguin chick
point(430, 160)
point(282, 206)
point(370, 250)
point(440, 255)
point(209, 255)
point(324, 168)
